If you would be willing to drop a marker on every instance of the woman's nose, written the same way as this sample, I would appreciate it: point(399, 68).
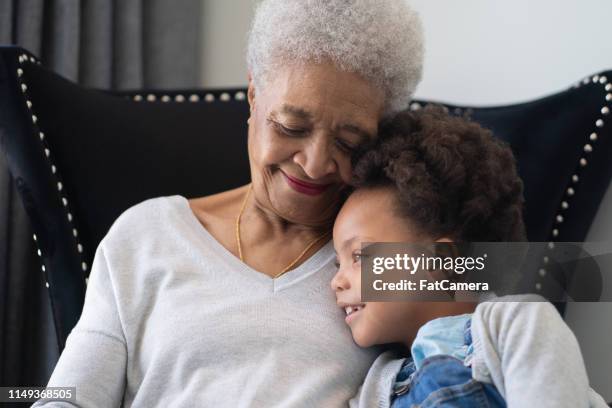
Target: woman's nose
point(316, 159)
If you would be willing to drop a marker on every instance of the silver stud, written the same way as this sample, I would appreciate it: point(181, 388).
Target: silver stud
point(84, 266)
point(47, 152)
point(570, 191)
point(43, 268)
point(551, 245)
point(415, 106)
point(545, 259)
point(583, 162)
point(69, 216)
point(151, 98)
point(75, 233)
point(64, 201)
point(588, 148)
point(240, 96)
point(41, 135)
point(87, 281)
point(29, 104)
point(542, 272)
point(595, 78)
point(555, 232)
point(34, 237)
point(599, 123)
point(179, 98)
point(585, 81)
point(137, 98)
point(593, 137)
point(559, 219)
point(80, 248)
point(47, 285)
point(564, 205)
point(609, 97)
point(165, 98)
point(605, 110)
point(20, 59)
point(38, 252)
point(575, 178)
point(225, 97)
point(194, 98)
point(60, 186)
point(34, 119)
point(24, 87)
point(209, 97)
point(19, 72)
point(32, 59)
point(538, 286)
point(609, 87)
point(603, 80)
point(53, 169)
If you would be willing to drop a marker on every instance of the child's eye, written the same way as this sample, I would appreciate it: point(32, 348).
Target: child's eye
point(356, 257)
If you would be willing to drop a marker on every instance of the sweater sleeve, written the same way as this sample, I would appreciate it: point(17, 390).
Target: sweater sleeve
point(95, 357)
point(530, 354)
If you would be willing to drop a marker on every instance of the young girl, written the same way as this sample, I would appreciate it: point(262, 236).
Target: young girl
point(435, 178)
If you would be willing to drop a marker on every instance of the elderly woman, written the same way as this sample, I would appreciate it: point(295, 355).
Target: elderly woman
point(224, 301)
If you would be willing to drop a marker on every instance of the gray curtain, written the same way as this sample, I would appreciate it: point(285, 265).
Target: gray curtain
point(108, 44)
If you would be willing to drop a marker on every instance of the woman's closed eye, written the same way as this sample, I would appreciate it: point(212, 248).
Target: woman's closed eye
point(288, 130)
point(345, 146)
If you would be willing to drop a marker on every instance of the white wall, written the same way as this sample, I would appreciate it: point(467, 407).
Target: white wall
point(224, 31)
point(495, 52)
point(480, 52)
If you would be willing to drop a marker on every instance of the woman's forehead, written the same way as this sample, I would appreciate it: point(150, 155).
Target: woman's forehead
point(308, 91)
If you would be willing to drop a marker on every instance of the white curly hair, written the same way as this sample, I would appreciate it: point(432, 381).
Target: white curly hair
point(380, 40)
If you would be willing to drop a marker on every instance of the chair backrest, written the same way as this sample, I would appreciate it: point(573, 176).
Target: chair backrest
point(80, 157)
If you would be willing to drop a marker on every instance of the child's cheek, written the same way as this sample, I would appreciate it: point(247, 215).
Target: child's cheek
point(386, 320)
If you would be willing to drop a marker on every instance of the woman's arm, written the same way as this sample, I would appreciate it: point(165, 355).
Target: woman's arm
point(95, 357)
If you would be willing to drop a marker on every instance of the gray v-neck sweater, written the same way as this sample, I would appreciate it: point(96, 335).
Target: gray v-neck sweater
point(173, 319)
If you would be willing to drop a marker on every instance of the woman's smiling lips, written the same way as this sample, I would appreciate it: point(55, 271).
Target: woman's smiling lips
point(304, 187)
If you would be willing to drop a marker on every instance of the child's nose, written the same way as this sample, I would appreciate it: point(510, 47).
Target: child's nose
point(339, 282)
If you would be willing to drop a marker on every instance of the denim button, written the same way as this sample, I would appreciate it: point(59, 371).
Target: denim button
point(401, 390)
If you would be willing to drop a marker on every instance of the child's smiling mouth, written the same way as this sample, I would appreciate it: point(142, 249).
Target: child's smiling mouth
point(352, 310)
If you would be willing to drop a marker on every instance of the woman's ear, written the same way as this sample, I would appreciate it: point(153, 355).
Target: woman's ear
point(251, 93)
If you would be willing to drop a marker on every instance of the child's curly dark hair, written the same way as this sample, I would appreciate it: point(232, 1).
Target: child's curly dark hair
point(453, 178)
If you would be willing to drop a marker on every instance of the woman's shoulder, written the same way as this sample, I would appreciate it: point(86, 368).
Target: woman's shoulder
point(146, 217)
point(214, 210)
point(219, 204)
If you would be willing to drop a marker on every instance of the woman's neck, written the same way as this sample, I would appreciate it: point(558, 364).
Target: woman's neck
point(268, 221)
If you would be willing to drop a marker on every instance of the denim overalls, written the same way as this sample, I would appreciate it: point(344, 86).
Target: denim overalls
point(443, 381)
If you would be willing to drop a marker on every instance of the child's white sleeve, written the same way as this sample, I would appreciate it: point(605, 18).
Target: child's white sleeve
point(528, 352)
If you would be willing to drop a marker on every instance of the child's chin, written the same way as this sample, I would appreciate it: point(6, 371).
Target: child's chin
point(363, 341)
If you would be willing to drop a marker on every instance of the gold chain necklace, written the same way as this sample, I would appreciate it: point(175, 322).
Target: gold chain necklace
point(238, 241)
